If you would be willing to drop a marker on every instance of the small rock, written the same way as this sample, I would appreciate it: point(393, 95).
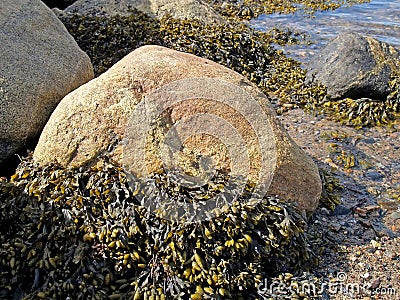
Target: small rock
point(380, 229)
point(373, 190)
point(395, 215)
point(375, 176)
point(341, 210)
point(360, 211)
point(376, 244)
point(365, 223)
point(336, 226)
point(376, 283)
point(366, 275)
point(325, 212)
point(372, 207)
point(353, 258)
point(369, 141)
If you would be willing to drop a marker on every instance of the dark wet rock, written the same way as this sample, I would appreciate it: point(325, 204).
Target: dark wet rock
point(380, 229)
point(341, 210)
point(369, 140)
point(40, 63)
point(354, 66)
point(374, 176)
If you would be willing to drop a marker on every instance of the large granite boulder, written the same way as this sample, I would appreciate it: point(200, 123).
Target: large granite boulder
point(40, 63)
point(181, 9)
point(354, 66)
point(156, 98)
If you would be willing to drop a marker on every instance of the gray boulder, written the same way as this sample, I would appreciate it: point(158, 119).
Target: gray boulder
point(354, 66)
point(181, 9)
point(40, 63)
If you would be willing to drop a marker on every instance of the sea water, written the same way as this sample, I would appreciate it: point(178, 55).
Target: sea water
point(379, 19)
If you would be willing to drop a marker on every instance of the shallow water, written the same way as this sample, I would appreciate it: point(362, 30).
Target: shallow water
point(378, 18)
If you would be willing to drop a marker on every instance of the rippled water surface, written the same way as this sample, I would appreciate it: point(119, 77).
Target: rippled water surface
point(378, 18)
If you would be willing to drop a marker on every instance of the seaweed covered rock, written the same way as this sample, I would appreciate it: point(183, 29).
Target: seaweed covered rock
point(95, 118)
point(182, 9)
point(354, 66)
point(39, 65)
point(82, 234)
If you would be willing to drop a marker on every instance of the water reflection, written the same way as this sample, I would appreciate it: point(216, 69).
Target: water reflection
point(378, 18)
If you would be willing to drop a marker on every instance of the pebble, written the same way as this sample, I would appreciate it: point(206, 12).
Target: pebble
point(375, 176)
point(375, 283)
point(369, 141)
point(395, 215)
point(376, 244)
point(364, 188)
point(366, 275)
point(365, 223)
point(341, 210)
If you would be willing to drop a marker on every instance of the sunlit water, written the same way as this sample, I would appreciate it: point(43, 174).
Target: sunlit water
point(378, 18)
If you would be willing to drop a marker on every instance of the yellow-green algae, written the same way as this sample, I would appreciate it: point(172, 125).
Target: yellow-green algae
point(249, 52)
point(234, 45)
point(331, 189)
point(81, 233)
point(248, 9)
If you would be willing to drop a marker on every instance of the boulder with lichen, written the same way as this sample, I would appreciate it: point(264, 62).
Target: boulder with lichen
point(93, 120)
point(39, 65)
point(182, 9)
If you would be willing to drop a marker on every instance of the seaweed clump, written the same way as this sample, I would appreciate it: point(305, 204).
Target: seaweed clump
point(108, 39)
point(248, 9)
point(363, 112)
point(234, 45)
point(331, 190)
point(81, 233)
